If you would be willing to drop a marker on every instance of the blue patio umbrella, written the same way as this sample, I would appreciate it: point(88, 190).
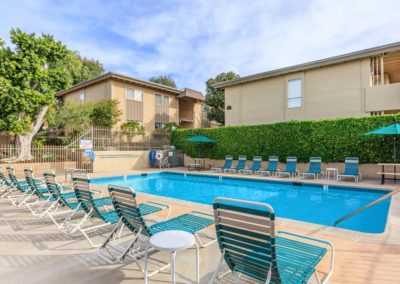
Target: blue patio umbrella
point(200, 139)
point(393, 129)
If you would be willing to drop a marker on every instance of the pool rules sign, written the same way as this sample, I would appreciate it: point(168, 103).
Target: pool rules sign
point(86, 144)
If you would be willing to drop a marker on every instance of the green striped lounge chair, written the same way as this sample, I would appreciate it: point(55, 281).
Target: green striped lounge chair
point(351, 169)
point(255, 167)
point(314, 168)
point(272, 168)
point(41, 200)
point(254, 252)
point(131, 215)
point(100, 208)
point(5, 184)
point(291, 168)
point(64, 197)
point(241, 165)
point(20, 189)
point(227, 164)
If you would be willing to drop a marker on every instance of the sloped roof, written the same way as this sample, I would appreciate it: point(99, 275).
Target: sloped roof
point(191, 94)
point(120, 77)
point(379, 50)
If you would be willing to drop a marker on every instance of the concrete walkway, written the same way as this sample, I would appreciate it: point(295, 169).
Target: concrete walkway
point(33, 251)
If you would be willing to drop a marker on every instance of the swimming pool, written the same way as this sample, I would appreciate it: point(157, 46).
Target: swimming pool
point(314, 203)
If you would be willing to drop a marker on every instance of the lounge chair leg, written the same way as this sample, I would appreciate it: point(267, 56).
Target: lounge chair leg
point(62, 225)
point(83, 232)
point(214, 276)
point(317, 278)
point(129, 247)
point(83, 220)
point(201, 243)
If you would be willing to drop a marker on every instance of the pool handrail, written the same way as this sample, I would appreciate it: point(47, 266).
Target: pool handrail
point(361, 209)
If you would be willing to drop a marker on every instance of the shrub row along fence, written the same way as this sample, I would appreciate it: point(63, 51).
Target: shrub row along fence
point(55, 158)
point(333, 140)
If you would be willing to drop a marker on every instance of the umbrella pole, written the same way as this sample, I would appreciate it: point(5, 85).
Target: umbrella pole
point(394, 150)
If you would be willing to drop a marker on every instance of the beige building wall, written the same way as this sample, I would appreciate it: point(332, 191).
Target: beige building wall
point(149, 104)
point(327, 92)
point(114, 89)
point(93, 93)
point(117, 161)
point(198, 114)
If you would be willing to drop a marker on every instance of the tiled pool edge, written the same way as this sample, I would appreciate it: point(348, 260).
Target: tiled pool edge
point(309, 228)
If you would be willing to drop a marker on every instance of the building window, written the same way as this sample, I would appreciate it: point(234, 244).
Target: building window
point(82, 97)
point(138, 122)
point(162, 100)
point(134, 95)
point(294, 93)
point(159, 125)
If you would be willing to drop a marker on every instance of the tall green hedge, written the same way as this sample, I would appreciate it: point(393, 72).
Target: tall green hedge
point(331, 139)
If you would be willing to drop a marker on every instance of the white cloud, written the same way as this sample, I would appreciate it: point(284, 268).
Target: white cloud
point(195, 40)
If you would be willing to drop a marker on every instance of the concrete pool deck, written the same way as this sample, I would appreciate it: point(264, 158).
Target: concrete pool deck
point(33, 251)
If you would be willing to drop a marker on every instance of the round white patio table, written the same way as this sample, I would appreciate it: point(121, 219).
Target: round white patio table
point(172, 241)
point(334, 171)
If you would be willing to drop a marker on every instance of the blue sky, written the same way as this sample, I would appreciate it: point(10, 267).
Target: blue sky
point(195, 40)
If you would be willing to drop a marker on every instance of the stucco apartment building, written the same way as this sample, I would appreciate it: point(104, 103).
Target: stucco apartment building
point(151, 104)
point(361, 83)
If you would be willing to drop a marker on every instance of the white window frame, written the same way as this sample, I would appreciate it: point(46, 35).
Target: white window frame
point(136, 96)
point(295, 100)
point(82, 97)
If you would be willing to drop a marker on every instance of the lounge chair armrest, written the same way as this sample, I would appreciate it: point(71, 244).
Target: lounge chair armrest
point(307, 238)
point(203, 213)
point(160, 204)
point(97, 191)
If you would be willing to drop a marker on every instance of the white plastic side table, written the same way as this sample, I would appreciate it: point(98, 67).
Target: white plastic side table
point(172, 241)
point(334, 172)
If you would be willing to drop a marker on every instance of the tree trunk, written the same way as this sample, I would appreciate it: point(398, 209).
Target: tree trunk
point(25, 140)
point(25, 143)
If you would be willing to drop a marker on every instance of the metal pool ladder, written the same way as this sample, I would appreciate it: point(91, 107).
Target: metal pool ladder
point(380, 199)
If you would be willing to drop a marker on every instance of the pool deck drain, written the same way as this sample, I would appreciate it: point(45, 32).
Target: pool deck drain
point(33, 251)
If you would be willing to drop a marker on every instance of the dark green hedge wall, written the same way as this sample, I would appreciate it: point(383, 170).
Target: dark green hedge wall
point(332, 139)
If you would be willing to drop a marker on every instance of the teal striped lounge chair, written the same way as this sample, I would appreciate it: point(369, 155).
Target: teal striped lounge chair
point(227, 165)
point(65, 198)
point(131, 215)
point(241, 165)
point(255, 167)
point(314, 168)
point(20, 190)
point(100, 208)
point(272, 167)
point(41, 200)
point(291, 168)
point(5, 184)
point(351, 169)
point(254, 252)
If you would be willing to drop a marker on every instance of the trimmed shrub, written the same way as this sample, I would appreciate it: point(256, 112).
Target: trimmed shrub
point(331, 139)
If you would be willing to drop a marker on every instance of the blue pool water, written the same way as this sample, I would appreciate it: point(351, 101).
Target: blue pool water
point(305, 202)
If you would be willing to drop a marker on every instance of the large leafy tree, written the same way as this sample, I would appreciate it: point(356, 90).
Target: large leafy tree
point(79, 69)
point(29, 79)
point(215, 98)
point(105, 113)
point(165, 80)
